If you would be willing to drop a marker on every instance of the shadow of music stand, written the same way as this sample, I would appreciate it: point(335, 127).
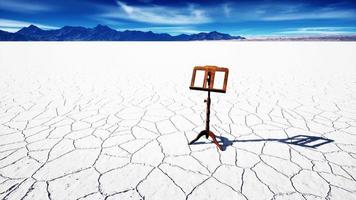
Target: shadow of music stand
point(208, 85)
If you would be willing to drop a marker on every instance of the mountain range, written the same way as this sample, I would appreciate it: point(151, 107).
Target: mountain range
point(104, 33)
point(308, 38)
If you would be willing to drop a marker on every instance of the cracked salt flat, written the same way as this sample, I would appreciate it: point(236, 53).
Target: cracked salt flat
point(112, 121)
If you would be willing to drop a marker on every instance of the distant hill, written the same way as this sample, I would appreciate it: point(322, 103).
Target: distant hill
point(6, 36)
point(104, 33)
point(308, 38)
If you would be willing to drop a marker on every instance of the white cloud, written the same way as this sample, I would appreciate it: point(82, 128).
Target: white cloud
point(23, 6)
point(159, 14)
point(321, 14)
point(227, 9)
point(230, 12)
point(304, 12)
point(234, 12)
point(9, 29)
point(15, 25)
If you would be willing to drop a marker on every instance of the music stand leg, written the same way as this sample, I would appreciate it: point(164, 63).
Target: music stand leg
point(212, 135)
point(201, 134)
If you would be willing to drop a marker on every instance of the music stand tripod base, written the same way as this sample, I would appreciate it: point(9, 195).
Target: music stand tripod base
point(208, 84)
point(207, 134)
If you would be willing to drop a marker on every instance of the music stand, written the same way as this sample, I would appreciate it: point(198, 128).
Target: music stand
point(207, 84)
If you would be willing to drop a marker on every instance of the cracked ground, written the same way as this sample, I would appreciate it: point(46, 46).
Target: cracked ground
point(113, 121)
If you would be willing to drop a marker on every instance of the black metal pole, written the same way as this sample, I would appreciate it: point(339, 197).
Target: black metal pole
point(207, 125)
point(208, 101)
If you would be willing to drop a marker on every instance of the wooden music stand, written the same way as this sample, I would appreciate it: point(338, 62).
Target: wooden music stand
point(208, 85)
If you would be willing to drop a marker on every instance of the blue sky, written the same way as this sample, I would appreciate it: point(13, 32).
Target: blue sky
point(240, 17)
